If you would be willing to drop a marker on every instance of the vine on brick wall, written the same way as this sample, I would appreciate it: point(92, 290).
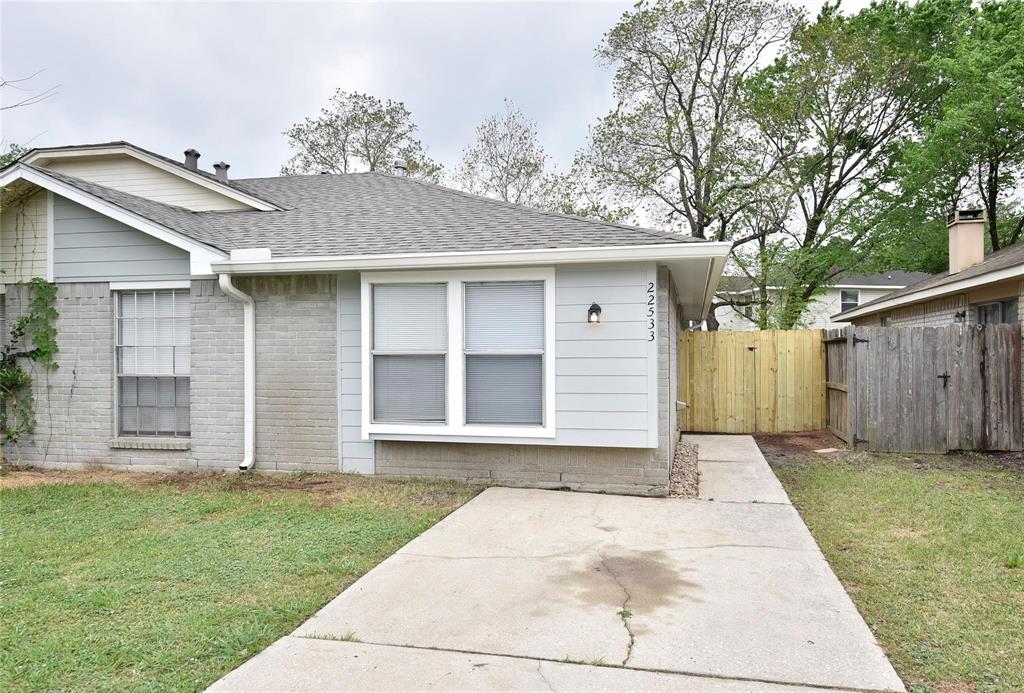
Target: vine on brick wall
point(37, 325)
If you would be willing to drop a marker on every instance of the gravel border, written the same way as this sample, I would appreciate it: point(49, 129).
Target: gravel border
point(683, 479)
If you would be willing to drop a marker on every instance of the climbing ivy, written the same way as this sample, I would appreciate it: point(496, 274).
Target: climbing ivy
point(35, 325)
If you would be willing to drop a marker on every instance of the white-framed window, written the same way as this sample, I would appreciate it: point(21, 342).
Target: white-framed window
point(153, 362)
point(849, 299)
point(459, 353)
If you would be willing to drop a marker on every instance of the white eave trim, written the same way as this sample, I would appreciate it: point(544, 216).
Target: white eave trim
point(201, 255)
point(488, 258)
point(933, 293)
point(198, 179)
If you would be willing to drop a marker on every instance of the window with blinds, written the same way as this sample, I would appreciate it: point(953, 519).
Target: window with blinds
point(504, 352)
point(409, 352)
point(153, 362)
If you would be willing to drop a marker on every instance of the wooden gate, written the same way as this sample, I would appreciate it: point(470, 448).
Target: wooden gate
point(770, 381)
point(926, 389)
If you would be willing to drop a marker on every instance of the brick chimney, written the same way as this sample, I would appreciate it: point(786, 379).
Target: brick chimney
point(220, 171)
point(966, 238)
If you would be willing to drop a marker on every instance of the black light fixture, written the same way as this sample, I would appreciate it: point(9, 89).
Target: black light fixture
point(960, 316)
point(594, 314)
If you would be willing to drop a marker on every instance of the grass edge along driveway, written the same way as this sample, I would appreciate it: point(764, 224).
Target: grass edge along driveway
point(931, 549)
point(119, 581)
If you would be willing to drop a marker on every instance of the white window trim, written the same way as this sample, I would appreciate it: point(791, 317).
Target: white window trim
point(456, 424)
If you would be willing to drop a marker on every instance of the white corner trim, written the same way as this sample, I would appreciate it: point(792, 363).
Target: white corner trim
point(127, 150)
point(201, 256)
point(50, 248)
point(653, 326)
point(456, 425)
point(933, 293)
point(163, 284)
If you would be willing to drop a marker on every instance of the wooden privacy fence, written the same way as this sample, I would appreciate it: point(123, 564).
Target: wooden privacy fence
point(770, 381)
point(926, 389)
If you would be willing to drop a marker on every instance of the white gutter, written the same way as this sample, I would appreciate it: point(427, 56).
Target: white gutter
point(248, 369)
point(490, 258)
point(957, 287)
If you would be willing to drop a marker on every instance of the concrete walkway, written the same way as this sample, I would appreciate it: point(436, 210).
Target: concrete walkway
point(545, 590)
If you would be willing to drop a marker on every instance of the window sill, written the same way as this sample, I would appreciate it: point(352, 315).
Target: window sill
point(141, 443)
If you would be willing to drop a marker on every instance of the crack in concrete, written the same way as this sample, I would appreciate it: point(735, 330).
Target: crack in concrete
point(545, 678)
point(624, 613)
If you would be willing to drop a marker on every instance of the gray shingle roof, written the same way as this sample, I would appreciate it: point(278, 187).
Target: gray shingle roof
point(999, 260)
point(371, 213)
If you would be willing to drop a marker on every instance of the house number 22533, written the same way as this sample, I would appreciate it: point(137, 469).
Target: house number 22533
point(650, 311)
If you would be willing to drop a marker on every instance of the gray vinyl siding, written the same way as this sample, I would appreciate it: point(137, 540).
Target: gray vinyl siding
point(603, 373)
point(90, 247)
point(357, 455)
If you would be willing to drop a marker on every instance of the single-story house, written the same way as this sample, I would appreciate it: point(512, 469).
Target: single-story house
point(976, 289)
point(849, 291)
point(366, 323)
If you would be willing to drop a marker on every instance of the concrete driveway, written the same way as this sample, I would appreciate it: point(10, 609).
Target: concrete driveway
point(544, 590)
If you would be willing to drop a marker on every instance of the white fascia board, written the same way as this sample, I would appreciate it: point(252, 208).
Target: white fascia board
point(200, 256)
point(935, 292)
point(490, 258)
point(200, 180)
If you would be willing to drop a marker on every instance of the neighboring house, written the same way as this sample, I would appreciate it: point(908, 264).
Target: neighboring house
point(976, 290)
point(364, 322)
point(848, 292)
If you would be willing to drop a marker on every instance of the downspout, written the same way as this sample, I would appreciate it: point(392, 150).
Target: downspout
point(248, 369)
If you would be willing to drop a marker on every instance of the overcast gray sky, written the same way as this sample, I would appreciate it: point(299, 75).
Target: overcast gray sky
point(228, 78)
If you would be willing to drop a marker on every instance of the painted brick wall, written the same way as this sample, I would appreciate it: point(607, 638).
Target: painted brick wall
point(216, 383)
point(75, 403)
point(296, 407)
point(623, 470)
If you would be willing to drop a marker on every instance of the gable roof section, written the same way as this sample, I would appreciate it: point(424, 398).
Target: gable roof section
point(144, 215)
point(1003, 264)
point(177, 168)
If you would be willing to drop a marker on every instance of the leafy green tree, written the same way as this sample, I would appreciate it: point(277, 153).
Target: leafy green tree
point(972, 149)
point(358, 132)
point(13, 153)
point(677, 141)
point(848, 94)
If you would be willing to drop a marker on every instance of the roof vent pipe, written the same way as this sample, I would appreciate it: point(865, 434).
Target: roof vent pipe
point(220, 171)
point(401, 167)
point(191, 159)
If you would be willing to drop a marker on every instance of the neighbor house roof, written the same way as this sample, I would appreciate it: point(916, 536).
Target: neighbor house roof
point(893, 278)
point(372, 213)
point(1002, 264)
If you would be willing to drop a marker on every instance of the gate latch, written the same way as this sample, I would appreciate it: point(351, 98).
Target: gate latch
point(859, 340)
point(944, 377)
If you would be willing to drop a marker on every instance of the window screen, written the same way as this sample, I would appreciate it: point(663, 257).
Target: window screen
point(153, 362)
point(504, 342)
point(849, 298)
point(410, 347)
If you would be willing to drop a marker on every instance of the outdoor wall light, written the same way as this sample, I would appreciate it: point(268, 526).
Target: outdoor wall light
point(594, 314)
point(960, 316)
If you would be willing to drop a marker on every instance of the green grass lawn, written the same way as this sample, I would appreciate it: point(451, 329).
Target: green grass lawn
point(144, 584)
point(932, 552)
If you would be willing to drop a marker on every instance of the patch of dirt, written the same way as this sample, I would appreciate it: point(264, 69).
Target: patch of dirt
point(328, 488)
point(796, 444)
point(781, 449)
point(955, 687)
point(683, 480)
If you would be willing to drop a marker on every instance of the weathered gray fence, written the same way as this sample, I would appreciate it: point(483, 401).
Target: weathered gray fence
point(926, 389)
